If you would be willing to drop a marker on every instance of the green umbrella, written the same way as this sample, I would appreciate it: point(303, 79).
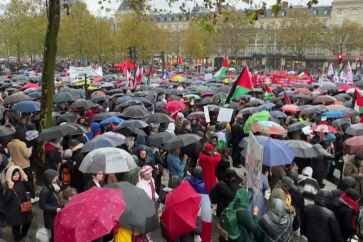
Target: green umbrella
point(257, 117)
point(192, 95)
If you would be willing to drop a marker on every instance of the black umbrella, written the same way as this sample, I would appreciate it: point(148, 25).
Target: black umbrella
point(218, 96)
point(62, 97)
point(249, 110)
point(160, 105)
point(181, 141)
point(57, 132)
point(128, 131)
point(4, 131)
point(15, 98)
point(138, 124)
point(303, 96)
point(355, 130)
point(102, 141)
point(205, 101)
point(234, 106)
point(102, 116)
point(341, 121)
point(159, 138)
point(130, 103)
point(70, 117)
point(87, 104)
point(224, 89)
point(309, 110)
point(158, 118)
point(135, 112)
point(100, 98)
point(139, 214)
point(175, 92)
point(297, 126)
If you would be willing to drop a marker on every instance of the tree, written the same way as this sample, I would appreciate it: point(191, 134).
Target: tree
point(344, 37)
point(102, 41)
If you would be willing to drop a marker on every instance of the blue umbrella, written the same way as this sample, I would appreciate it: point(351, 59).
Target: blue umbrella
point(143, 100)
point(275, 153)
point(265, 106)
point(278, 114)
point(334, 114)
point(102, 141)
point(35, 94)
point(116, 120)
point(27, 106)
point(79, 92)
point(124, 99)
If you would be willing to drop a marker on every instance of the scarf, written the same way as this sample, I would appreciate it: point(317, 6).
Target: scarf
point(353, 204)
point(56, 145)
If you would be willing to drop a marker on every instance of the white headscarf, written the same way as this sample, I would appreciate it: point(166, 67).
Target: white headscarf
point(170, 128)
point(308, 171)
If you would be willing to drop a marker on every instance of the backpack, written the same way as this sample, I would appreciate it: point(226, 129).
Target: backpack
point(228, 222)
point(360, 223)
point(66, 176)
point(214, 194)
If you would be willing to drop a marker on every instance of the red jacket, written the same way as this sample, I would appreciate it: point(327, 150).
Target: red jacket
point(208, 164)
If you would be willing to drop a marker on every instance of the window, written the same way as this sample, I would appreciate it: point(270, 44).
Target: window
point(278, 49)
point(251, 49)
point(165, 18)
point(340, 12)
point(283, 13)
point(252, 38)
point(311, 51)
point(338, 22)
point(259, 38)
point(270, 49)
point(324, 24)
point(326, 11)
point(320, 50)
point(315, 12)
point(349, 52)
point(158, 19)
point(171, 18)
point(270, 38)
point(241, 51)
point(260, 49)
point(354, 12)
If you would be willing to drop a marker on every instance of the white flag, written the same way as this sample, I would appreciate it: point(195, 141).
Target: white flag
point(349, 74)
point(336, 78)
point(330, 70)
point(344, 77)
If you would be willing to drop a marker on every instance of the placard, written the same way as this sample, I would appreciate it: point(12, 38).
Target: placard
point(225, 115)
point(254, 158)
point(208, 76)
point(75, 71)
point(206, 114)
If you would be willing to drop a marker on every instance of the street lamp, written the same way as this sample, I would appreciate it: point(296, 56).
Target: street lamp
point(143, 55)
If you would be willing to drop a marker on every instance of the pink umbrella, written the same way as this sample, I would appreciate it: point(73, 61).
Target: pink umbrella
point(323, 128)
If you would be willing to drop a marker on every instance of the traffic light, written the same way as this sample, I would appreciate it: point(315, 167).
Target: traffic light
point(340, 58)
point(359, 59)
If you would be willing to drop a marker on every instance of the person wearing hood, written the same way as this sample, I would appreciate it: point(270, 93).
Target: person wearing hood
point(276, 225)
point(319, 222)
point(170, 128)
point(237, 136)
point(353, 169)
point(281, 191)
point(208, 160)
point(61, 108)
point(308, 185)
point(343, 185)
point(179, 123)
point(346, 210)
point(14, 195)
point(53, 154)
point(141, 143)
point(96, 129)
point(186, 127)
point(175, 165)
point(131, 176)
point(73, 164)
point(213, 140)
point(48, 201)
point(196, 126)
point(226, 189)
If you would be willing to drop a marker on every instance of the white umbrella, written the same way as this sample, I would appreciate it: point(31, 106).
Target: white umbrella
point(231, 69)
point(107, 160)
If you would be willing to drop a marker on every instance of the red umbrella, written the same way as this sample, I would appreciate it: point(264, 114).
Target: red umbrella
point(89, 215)
point(101, 93)
point(30, 85)
point(290, 108)
point(180, 212)
point(353, 145)
point(345, 87)
point(323, 128)
point(173, 106)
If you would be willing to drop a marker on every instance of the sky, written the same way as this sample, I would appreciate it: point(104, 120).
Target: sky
point(95, 7)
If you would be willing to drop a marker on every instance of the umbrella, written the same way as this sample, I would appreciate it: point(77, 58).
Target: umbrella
point(138, 124)
point(324, 100)
point(87, 104)
point(345, 87)
point(290, 108)
point(138, 216)
point(302, 149)
point(309, 110)
point(273, 148)
point(135, 112)
point(70, 117)
point(181, 207)
point(265, 106)
point(181, 141)
point(189, 96)
point(143, 100)
point(334, 114)
point(5, 131)
point(298, 126)
point(175, 92)
point(218, 96)
point(355, 130)
point(245, 140)
point(107, 160)
point(98, 208)
point(158, 118)
point(174, 106)
point(353, 145)
point(278, 114)
point(323, 128)
point(123, 99)
point(159, 138)
point(102, 141)
point(303, 96)
point(341, 121)
point(177, 78)
point(195, 115)
point(102, 116)
point(304, 91)
point(15, 98)
point(57, 132)
point(27, 106)
point(129, 130)
point(130, 103)
point(115, 120)
point(62, 97)
point(328, 86)
point(96, 99)
point(254, 118)
point(35, 95)
point(268, 127)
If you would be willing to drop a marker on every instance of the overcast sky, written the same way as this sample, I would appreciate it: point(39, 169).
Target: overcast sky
point(95, 7)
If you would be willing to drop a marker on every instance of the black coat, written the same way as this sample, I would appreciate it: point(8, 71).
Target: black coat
point(77, 178)
point(319, 222)
point(14, 216)
point(344, 214)
point(52, 158)
point(237, 134)
point(89, 185)
point(226, 193)
point(48, 201)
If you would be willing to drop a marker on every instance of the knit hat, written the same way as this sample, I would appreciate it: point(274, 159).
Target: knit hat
point(330, 137)
point(352, 193)
point(67, 154)
point(89, 113)
point(307, 171)
point(358, 156)
point(180, 115)
point(208, 148)
point(145, 170)
point(95, 127)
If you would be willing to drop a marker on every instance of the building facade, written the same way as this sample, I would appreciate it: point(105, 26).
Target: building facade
point(266, 54)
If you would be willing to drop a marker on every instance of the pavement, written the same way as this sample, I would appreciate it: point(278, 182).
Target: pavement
point(38, 233)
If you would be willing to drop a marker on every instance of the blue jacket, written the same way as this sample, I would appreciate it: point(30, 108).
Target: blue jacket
point(176, 167)
point(140, 141)
point(5, 162)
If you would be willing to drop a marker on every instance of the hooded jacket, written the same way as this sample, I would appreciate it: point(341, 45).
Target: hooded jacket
point(347, 182)
point(52, 156)
point(344, 215)
point(48, 200)
point(209, 162)
point(319, 222)
point(140, 139)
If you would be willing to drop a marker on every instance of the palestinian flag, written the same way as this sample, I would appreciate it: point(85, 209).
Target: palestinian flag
point(180, 60)
point(241, 86)
point(357, 102)
point(150, 77)
point(222, 141)
point(223, 70)
point(268, 94)
point(287, 99)
point(304, 73)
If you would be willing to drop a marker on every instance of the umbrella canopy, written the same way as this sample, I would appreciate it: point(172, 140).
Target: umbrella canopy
point(257, 117)
point(341, 121)
point(129, 130)
point(57, 132)
point(107, 160)
point(218, 96)
point(138, 124)
point(102, 141)
point(290, 108)
point(195, 115)
point(273, 148)
point(5, 131)
point(268, 127)
point(174, 106)
point(87, 104)
point(159, 138)
point(181, 141)
point(334, 114)
point(303, 149)
point(135, 112)
point(98, 208)
point(353, 145)
point(181, 207)
point(138, 216)
point(323, 128)
point(324, 100)
point(62, 97)
point(27, 106)
point(15, 98)
point(298, 126)
point(304, 91)
point(115, 120)
point(158, 118)
point(244, 141)
point(70, 117)
point(102, 116)
point(355, 130)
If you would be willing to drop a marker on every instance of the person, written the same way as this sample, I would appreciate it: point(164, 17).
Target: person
point(308, 185)
point(20, 155)
point(74, 163)
point(343, 185)
point(65, 196)
point(237, 136)
point(96, 129)
point(53, 154)
point(255, 200)
point(226, 189)
point(171, 128)
point(276, 225)
point(131, 176)
point(23, 125)
point(176, 167)
point(14, 195)
point(94, 182)
point(186, 127)
point(48, 201)
point(208, 160)
point(352, 169)
point(281, 191)
point(140, 143)
point(320, 164)
point(346, 211)
point(144, 159)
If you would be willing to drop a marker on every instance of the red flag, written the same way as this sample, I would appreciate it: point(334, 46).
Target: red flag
point(287, 99)
point(280, 73)
point(151, 71)
point(112, 126)
point(180, 61)
point(286, 73)
point(174, 115)
point(306, 72)
point(121, 71)
point(320, 74)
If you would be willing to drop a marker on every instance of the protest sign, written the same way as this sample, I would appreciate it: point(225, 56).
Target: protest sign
point(75, 71)
point(254, 158)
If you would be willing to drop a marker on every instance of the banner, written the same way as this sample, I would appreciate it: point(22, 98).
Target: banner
point(75, 71)
point(281, 80)
point(349, 74)
point(254, 158)
point(330, 70)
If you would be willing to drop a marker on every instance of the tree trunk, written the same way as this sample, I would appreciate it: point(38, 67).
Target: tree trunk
point(50, 52)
